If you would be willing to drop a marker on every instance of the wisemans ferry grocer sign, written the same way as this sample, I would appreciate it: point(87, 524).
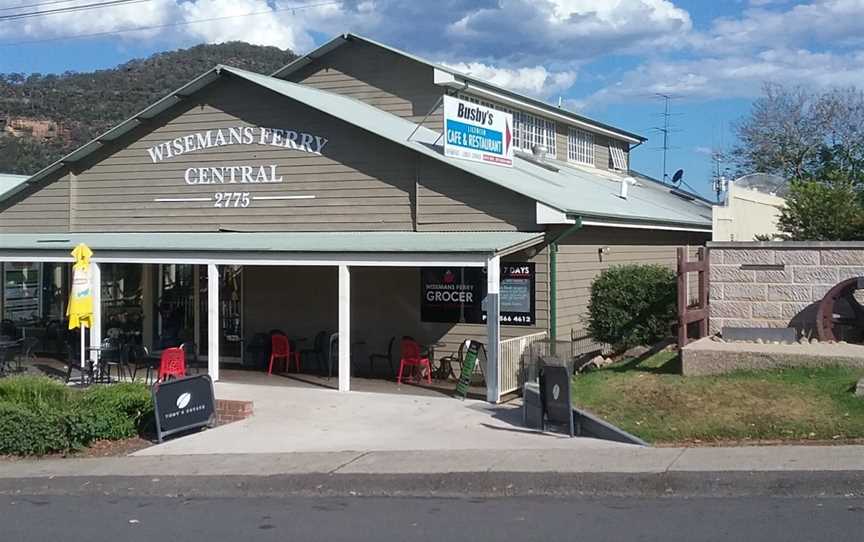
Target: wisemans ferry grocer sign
point(476, 132)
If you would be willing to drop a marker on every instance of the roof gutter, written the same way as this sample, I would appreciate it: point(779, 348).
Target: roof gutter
point(553, 283)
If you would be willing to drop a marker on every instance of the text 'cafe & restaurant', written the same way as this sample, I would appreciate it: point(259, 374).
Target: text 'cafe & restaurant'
point(359, 190)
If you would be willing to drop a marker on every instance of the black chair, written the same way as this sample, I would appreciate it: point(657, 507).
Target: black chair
point(452, 365)
point(192, 360)
point(318, 352)
point(388, 357)
point(8, 355)
point(111, 357)
point(27, 352)
point(138, 358)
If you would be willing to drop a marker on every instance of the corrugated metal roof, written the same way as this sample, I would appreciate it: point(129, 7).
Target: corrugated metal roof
point(348, 36)
point(9, 182)
point(275, 242)
point(572, 190)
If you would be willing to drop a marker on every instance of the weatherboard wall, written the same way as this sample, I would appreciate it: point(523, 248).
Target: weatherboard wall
point(580, 261)
point(39, 209)
point(359, 182)
point(381, 78)
point(404, 87)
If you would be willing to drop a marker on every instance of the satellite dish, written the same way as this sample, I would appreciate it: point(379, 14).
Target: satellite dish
point(676, 179)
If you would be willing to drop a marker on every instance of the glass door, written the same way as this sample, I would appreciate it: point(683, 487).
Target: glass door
point(230, 312)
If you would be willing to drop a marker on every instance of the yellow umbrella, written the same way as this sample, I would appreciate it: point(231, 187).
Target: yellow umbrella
point(80, 309)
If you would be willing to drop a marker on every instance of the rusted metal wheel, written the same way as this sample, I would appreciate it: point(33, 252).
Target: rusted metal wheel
point(828, 318)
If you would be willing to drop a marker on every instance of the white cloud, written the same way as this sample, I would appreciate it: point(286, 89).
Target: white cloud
point(523, 31)
point(735, 76)
point(107, 19)
point(535, 81)
point(284, 29)
point(817, 44)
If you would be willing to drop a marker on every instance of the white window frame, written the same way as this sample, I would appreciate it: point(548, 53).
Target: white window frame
point(580, 146)
point(618, 155)
point(528, 129)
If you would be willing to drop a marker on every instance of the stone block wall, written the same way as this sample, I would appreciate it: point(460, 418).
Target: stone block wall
point(776, 284)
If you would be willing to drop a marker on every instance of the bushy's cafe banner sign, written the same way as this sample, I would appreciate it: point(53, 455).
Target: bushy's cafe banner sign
point(242, 176)
point(458, 294)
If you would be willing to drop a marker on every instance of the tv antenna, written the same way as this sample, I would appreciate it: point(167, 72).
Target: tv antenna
point(720, 182)
point(666, 129)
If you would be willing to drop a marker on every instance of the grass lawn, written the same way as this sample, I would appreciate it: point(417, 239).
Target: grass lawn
point(651, 401)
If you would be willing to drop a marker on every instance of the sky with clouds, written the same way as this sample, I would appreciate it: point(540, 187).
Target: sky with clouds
point(608, 59)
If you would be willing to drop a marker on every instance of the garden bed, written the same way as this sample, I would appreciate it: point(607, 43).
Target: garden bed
point(40, 416)
point(654, 402)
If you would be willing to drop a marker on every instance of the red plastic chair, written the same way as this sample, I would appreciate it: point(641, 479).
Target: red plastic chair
point(280, 348)
point(411, 358)
point(172, 363)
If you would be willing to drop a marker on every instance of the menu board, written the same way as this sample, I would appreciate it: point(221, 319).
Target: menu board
point(517, 294)
point(458, 295)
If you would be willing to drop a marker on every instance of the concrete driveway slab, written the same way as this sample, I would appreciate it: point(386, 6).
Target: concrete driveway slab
point(303, 419)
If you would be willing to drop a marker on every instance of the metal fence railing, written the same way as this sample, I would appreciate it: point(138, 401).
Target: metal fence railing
point(515, 355)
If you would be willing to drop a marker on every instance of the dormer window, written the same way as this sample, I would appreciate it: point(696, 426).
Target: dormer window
point(580, 146)
point(618, 155)
point(528, 130)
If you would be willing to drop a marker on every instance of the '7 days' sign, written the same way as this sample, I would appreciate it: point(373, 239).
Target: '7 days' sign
point(476, 132)
point(234, 174)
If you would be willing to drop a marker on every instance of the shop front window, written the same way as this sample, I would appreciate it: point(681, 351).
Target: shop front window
point(175, 305)
point(122, 302)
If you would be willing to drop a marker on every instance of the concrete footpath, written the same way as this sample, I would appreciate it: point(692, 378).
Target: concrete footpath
point(621, 459)
point(626, 470)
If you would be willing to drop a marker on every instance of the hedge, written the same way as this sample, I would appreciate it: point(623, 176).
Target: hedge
point(632, 305)
point(39, 415)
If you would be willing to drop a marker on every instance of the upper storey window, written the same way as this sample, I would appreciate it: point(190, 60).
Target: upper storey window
point(528, 129)
point(580, 146)
point(618, 154)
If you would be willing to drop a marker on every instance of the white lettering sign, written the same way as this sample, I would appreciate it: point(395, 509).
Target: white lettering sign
point(240, 135)
point(235, 174)
point(478, 133)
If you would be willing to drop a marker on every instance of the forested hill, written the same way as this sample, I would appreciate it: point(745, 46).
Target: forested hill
point(43, 117)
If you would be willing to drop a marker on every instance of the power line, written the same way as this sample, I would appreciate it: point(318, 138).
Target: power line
point(22, 6)
point(170, 25)
point(68, 9)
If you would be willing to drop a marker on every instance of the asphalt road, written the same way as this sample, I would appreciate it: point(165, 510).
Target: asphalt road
point(247, 519)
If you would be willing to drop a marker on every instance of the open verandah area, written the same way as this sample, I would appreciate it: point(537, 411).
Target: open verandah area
point(344, 305)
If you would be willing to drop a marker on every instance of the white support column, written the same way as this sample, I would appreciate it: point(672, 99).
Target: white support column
point(213, 321)
point(96, 328)
point(344, 328)
point(493, 328)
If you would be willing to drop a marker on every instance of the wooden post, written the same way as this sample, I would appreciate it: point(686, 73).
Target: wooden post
point(703, 290)
point(682, 298)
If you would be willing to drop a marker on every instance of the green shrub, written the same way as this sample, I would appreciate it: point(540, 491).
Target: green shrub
point(33, 391)
point(39, 415)
point(132, 401)
point(632, 305)
point(25, 430)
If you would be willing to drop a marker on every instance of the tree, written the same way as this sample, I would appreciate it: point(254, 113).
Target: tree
point(827, 207)
point(789, 129)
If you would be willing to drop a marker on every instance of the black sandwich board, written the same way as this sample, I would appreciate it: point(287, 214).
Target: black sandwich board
point(182, 404)
point(469, 364)
point(555, 395)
